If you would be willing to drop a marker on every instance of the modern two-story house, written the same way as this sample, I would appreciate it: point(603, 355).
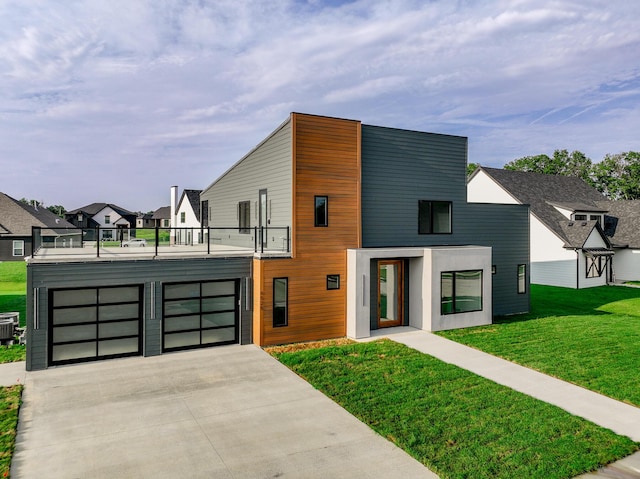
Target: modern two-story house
point(112, 220)
point(327, 228)
point(380, 231)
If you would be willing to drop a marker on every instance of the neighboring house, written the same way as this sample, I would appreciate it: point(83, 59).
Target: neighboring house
point(16, 222)
point(186, 220)
point(327, 228)
point(145, 220)
point(162, 217)
point(114, 222)
point(579, 239)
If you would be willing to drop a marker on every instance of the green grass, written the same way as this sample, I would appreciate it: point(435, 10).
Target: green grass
point(13, 288)
point(590, 337)
point(9, 407)
point(458, 424)
point(13, 297)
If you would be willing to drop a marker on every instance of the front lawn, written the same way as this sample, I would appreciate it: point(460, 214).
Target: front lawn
point(13, 297)
point(590, 337)
point(9, 407)
point(458, 424)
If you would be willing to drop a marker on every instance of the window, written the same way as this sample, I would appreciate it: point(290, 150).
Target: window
point(580, 217)
point(80, 218)
point(594, 266)
point(107, 219)
point(204, 216)
point(595, 218)
point(434, 217)
point(18, 248)
point(460, 291)
point(280, 300)
point(183, 217)
point(107, 234)
point(322, 211)
point(165, 223)
point(522, 278)
point(333, 281)
point(244, 216)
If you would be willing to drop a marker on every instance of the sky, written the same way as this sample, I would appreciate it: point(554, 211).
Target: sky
point(115, 101)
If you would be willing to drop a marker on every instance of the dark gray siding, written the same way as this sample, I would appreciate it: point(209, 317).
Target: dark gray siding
point(401, 167)
point(6, 248)
point(151, 273)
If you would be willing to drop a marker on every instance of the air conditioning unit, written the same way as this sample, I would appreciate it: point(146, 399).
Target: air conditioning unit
point(7, 329)
point(13, 316)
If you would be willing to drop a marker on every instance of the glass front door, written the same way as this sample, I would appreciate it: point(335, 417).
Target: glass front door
point(390, 293)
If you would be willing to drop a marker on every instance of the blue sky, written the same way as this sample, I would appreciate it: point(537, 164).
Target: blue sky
point(115, 101)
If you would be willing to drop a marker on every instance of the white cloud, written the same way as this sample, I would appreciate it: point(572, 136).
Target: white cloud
point(187, 82)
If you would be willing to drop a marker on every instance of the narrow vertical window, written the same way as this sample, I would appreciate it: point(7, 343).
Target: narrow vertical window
point(434, 217)
point(280, 302)
point(321, 211)
point(183, 217)
point(244, 216)
point(522, 278)
point(107, 219)
point(18, 248)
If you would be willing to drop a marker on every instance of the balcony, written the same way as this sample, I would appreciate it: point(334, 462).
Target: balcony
point(75, 244)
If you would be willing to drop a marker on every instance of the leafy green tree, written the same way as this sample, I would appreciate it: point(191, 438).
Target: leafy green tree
point(618, 176)
point(471, 167)
point(58, 210)
point(562, 162)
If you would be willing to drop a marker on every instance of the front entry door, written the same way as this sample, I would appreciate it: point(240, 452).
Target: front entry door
point(390, 293)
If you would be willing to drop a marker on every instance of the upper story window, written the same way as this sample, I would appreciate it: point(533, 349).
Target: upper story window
point(321, 211)
point(434, 217)
point(580, 217)
point(79, 218)
point(18, 247)
point(595, 218)
point(183, 217)
point(244, 216)
point(107, 219)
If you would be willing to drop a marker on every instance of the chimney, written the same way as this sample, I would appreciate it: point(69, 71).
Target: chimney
point(174, 206)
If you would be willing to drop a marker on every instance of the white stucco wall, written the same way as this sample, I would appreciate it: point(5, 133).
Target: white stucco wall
point(482, 189)
point(425, 266)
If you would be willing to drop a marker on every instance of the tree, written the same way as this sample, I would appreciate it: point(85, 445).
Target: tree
point(562, 162)
point(618, 176)
point(58, 210)
point(471, 167)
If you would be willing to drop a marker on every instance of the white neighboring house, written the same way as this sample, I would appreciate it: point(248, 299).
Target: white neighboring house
point(576, 238)
point(185, 217)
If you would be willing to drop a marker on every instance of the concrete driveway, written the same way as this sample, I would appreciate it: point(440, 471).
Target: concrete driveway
point(225, 412)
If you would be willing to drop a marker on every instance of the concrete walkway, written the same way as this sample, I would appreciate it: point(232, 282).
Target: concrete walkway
point(227, 412)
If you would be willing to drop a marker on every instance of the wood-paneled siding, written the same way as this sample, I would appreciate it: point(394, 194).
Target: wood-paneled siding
point(401, 167)
point(152, 274)
point(268, 166)
point(326, 162)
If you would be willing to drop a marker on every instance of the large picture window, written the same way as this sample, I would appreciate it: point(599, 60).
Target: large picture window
point(244, 216)
point(280, 302)
point(434, 217)
point(460, 291)
point(321, 211)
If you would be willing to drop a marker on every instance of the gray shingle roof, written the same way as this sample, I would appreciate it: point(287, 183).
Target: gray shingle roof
point(542, 192)
point(622, 222)
point(18, 218)
point(95, 208)
point(162, 213)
